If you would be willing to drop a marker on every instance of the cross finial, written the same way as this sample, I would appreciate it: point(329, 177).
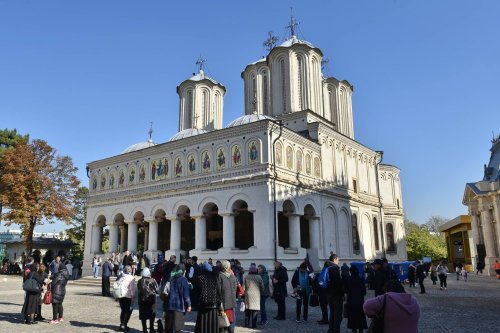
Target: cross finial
point(270, 41)
point(151, 132)
point(200, 63)
point(293, 23)
point(324, 62)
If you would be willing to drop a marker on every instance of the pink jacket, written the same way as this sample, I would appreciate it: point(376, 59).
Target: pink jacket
point(401, 312)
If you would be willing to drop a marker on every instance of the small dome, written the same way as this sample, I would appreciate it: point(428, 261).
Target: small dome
point(139, 146)
point(187, 133)
point(246, 119)
point(201, 76)
point(295, 40)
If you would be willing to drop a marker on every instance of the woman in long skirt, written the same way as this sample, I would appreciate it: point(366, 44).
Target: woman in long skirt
point(209, 301)
point(32, 299)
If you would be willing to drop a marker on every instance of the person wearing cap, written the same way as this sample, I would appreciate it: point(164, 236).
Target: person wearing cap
point(147, 288)
point(254, 286)
point(130, 286)
point(302, 284)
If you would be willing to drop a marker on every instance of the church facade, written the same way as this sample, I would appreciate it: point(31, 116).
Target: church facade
point(483, 200)
point(284, 181)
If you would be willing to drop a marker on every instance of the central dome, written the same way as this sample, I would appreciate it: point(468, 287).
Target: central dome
point(187, 133)
point(248, 118)
point(139, 146)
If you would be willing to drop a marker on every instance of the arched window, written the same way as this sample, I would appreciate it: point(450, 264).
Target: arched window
point(375, 234)
point(265, 94)
point(283, 84)
point(355, 234)
point(300, 82)
point(189, 107)
point(389, 232)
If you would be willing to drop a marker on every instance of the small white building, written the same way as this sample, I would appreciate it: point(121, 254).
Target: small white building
point(285, 180)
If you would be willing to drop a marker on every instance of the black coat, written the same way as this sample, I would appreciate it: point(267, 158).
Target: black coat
point(420, 271)
point(411, 273)
point(59, 285)
point(279, 288)
point(336, 286)
point(380, 278)
point(356, 291)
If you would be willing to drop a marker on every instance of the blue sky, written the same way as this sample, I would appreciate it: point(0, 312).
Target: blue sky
point(89, 76)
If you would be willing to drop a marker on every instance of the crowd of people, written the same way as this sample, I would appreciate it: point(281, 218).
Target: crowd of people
point(219, 291)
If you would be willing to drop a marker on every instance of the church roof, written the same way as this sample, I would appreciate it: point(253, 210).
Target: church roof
point(295, 40)
point(248, 118)
point(139, 146)
point(201, 76)
point(187, 133)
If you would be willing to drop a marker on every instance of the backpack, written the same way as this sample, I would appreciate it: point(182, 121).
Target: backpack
point(324, 278)
point(119, 289)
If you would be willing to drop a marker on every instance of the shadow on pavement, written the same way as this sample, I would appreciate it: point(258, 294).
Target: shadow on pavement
point(111, 328)
point(9, 303)
point(14, 318)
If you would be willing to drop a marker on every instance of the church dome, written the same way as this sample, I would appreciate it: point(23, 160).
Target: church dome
point(187, 133)
point(295, 40)
point(201, 76)
point(139, 146)
point(248, 118)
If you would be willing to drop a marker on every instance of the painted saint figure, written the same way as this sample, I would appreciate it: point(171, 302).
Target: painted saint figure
point(178, 168)
point(221, 158)
point(253, 152)
point(206, 161)
point(236, 155)
point(153, 171)
point(142, 173)
point(192, 164)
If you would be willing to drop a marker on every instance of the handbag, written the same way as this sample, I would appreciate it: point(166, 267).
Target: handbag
point(31, 285)
point(313, 300)
point(240, 290)
point(223, 319)
point(47, 297)
point(242, 307)
point(377, 323)
point(166, 291)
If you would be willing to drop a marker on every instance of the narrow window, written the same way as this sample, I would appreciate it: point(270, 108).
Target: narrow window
point(355, 185)
point(375, 234)
point(355, 234)
point(283, 85)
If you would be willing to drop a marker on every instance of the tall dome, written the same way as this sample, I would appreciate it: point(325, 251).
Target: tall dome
point(201, 101)
point(187, 133)
point(248, 118)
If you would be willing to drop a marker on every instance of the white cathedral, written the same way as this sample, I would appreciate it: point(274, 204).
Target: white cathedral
point(285, 181)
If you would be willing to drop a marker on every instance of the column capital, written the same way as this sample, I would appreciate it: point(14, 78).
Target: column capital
point(227, 214)
point(149, 219)
point(131, 222)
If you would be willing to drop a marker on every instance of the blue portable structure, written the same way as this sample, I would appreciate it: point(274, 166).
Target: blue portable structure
point(401, 269)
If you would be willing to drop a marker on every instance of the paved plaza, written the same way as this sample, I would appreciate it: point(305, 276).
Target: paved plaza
point(472, 306)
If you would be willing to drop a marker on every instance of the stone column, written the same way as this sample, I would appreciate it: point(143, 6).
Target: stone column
point(175, 234)
point(146, 235)
point(132, 237)
point(123, 238)
point(200, 233)
point(153, 236)
point(113, 238)
point(228, 235)
point(294, 230)
point(96, 238)
point(314, 232)
point(496, 220)
point(475, 228)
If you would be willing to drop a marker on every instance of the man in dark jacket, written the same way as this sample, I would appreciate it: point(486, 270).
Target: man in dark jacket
point(127, 259)
point(421, 276)
point(107, 271)
point(167, 268)
point(280, 278)
point(335, 294)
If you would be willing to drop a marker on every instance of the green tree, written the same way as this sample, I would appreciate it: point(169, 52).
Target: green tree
point(38, 185)
point(78, 222)
point(8, 139)
point(420, 242)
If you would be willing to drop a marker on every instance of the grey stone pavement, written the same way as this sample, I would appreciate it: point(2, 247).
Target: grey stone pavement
point(472, 306)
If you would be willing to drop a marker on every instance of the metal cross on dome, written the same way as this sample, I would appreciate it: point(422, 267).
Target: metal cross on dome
point(151, 132)
point(271, 41)
point(201, 63)
point(293, 23)
point(195, 125)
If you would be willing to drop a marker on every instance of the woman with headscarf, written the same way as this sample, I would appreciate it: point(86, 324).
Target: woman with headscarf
point(209, 300)
point(302, 285)
point(32, 299)
point(265, 293)
point(178, 301)
point(147, 288)
point(129, 287)
point(253, 289)
point(59, 281)
point(356, 291)
point(228, 285)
